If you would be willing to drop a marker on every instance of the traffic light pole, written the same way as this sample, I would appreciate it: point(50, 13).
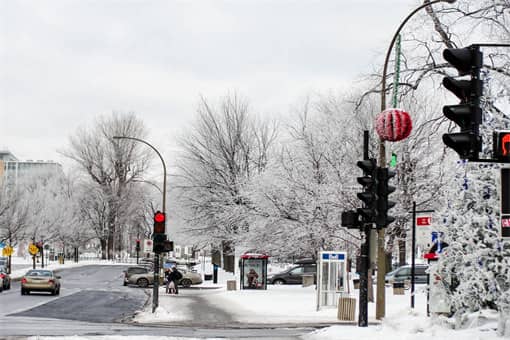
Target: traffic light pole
point(365, 258)
point(381, 254)
point(155, 295)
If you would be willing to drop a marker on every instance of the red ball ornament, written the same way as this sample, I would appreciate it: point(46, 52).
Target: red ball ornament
point(393, 125)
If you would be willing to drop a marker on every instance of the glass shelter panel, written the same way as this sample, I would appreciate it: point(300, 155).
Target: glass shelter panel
point(253, 271)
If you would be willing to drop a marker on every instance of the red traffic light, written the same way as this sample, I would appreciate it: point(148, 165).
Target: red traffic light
point(159, 217)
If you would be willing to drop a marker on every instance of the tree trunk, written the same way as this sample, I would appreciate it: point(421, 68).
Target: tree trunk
point(110, 245)
point(228, 256)
point(103, 248)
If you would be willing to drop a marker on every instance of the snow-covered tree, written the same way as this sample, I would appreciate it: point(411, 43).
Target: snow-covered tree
point(112, 165)
point(226, 148)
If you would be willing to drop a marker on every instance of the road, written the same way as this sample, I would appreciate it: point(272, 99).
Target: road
point(93, 301)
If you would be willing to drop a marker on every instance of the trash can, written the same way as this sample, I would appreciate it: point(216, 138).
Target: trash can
point(231, 285)
point(356, 283)
point(346, 308)
point(307, 280)
point(398, 288)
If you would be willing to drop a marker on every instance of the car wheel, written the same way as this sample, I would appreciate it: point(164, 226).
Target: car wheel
point(278, 282)
point(185, 283)
point(144, 283)
point(58, 291)
point(53, 292)
point(124, 284)
point(9, 285)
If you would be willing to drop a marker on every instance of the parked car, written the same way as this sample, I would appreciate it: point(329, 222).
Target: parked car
point(143, 277)
point(3, 263)
point(403, 273)
point(293, 275)
point(189, 277)
point(40, 280)
point(6, 279)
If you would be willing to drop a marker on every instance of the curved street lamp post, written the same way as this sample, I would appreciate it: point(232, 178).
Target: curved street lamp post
point(381, 258)
point(155, 291)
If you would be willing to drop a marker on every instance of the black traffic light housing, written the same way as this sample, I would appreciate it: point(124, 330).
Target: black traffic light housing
point(501, 146)
point(137, 247)
point(350, 219)
point(368, 195)
point(383, 203)
point(159, 236)
point(468, 114)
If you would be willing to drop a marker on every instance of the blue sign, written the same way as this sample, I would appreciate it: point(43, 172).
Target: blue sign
point(333, 256)
point(2, 245)
point(436, 239)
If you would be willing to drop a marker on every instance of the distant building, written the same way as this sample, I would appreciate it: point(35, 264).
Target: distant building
point(11, 169)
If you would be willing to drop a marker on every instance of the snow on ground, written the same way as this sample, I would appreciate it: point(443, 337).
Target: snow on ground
point(114, 337)
point(296, 304)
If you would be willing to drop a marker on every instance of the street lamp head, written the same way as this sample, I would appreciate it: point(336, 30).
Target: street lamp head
point(450, 1)
point(116, 137)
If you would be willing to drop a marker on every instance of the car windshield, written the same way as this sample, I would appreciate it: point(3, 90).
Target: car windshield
point(39, 273)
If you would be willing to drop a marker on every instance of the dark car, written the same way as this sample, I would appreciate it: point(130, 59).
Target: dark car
point(293, 275)
point(401, 274)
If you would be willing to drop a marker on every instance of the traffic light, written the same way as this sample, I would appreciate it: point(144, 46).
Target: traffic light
point(368, 196)
point(350, 219)
point(137, 248)
point(468, 114)
point(383, 203)
point(159, 236)
point(501, 146)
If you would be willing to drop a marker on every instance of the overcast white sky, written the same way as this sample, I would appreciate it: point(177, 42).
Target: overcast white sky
point(63, 62)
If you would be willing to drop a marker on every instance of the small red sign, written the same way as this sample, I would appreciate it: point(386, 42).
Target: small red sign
point(430, 256)
point(423, 221)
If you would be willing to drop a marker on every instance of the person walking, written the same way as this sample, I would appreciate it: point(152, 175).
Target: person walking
point(172, 277)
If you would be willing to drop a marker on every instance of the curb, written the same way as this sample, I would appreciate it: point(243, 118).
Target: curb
point(238, 325)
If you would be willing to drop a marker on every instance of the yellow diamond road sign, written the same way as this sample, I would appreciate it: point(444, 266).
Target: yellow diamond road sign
point(32, 249)
point(7, 251)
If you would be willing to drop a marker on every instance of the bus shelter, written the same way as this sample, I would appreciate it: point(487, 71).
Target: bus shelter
point(253, 271)
point(331, 277)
